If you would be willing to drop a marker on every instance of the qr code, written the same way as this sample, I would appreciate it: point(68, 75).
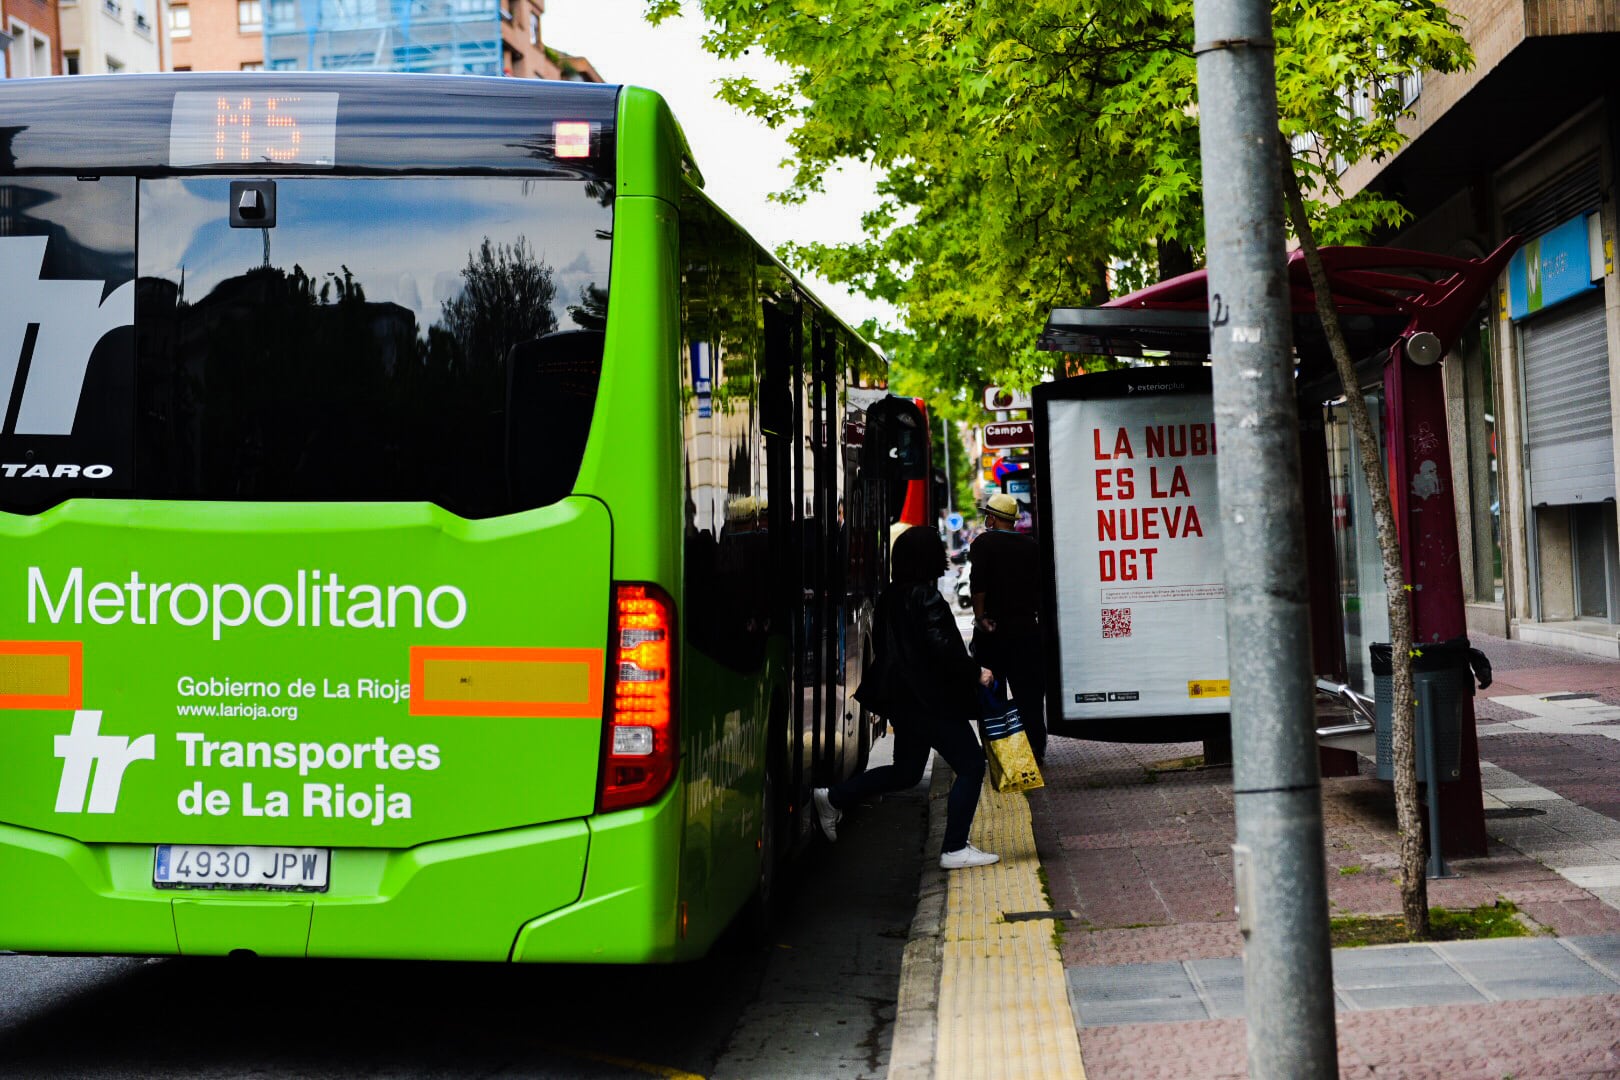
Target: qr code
point(1116, 622)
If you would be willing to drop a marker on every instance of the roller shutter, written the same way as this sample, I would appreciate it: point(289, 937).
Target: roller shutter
point(1568, 430)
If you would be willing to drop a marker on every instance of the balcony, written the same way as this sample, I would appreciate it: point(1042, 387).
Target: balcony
point(113, 8)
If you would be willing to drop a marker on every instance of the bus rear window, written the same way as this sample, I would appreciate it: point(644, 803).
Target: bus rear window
point(414, 339)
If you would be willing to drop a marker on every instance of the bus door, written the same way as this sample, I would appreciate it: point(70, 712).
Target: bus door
point(812, 511)
point(829, 697)
point(783, 402)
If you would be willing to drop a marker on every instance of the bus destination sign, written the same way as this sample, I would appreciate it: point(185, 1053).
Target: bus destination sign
point(253, 129)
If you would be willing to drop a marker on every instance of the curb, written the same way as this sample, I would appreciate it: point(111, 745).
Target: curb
point(916, 1020)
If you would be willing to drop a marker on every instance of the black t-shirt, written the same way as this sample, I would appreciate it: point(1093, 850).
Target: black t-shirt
point(1007, 569)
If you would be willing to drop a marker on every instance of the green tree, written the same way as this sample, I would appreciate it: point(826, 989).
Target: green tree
point(1032, 150)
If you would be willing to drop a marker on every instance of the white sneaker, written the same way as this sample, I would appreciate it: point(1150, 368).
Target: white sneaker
point(826, 813)
point(965, 856)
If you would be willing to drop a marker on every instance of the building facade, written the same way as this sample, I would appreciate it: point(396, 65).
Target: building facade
point(216, 35)
point(1523, 144)
point(452, 37)
point(30, 39)
point(106, 37)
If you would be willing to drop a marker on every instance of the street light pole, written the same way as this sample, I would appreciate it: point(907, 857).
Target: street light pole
point(1278, 859)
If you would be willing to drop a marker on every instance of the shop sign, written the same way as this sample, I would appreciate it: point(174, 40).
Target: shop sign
point(1555, 267)
point(997, 399)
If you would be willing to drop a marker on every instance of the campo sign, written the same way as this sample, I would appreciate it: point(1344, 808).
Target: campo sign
point(1007, 433)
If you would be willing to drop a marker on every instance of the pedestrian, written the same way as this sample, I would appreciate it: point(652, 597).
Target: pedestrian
point(1006, 605)
point(925, 683)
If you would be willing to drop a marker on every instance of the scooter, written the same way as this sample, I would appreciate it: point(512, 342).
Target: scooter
point(964, 585)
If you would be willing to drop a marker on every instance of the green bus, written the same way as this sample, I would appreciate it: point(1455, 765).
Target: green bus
point(375, 579)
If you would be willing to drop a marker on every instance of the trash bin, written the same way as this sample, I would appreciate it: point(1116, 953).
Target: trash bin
point(1443, 680)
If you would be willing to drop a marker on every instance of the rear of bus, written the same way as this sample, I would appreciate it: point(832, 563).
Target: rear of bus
point(335, 577)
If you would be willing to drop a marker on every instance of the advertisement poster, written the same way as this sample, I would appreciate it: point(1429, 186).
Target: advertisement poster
point(1141, 605)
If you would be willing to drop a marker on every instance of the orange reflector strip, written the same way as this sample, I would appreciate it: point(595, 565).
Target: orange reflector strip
point(41, 674)
point(447, 681)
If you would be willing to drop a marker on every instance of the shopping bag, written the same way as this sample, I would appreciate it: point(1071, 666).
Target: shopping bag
point(1006, 746)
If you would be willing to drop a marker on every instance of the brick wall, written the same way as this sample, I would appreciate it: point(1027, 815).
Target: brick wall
point(40, 15)
point(216, 44)
point(1494, 28)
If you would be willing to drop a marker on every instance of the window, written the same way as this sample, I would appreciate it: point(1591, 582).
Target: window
point(534, 28)
point(27, 52)
point(180, 21)
point(70, 62)
point(283, 15)
point(113, 8)
point(114, 66)
point(1411, 87)
point(249, 16)
point(186, 67)
point(446, 395)
point(253, 65)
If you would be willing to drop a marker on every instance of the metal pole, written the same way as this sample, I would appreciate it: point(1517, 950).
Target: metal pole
point(950, 481)
point(1276, 786)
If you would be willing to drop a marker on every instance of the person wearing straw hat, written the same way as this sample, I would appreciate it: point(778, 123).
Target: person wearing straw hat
point(1006, 589)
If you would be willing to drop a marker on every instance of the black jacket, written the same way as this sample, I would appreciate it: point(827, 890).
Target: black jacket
point(921, 666)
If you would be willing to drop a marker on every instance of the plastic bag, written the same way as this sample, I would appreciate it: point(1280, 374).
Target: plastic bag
point(1006, 746)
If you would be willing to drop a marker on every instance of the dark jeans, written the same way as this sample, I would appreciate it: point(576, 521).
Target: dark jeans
point(913, 737)
point(1018, 661)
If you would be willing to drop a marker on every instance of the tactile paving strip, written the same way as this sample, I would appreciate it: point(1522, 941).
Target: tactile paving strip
point(1003, 1005)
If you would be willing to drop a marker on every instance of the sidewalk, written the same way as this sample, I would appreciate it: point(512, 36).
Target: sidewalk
point(1135, 846)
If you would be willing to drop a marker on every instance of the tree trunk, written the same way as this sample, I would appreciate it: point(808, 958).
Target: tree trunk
point(1408, 816)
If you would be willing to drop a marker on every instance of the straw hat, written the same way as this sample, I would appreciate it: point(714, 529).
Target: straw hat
point(1002, 505)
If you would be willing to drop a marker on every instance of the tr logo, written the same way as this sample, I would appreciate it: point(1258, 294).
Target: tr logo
point(85, 748)
point(68, 319)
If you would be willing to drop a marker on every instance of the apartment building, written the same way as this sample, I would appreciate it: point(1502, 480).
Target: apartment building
point(462, 37)
point(1524, 143)
point(217, 35)
point(454, 37)
point(30, 39)
point(106, 37)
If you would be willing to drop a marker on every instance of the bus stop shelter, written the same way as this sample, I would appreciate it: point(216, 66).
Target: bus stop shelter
point(1402, 312)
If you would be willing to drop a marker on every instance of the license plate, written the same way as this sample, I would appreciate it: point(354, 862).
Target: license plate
point(201, 866)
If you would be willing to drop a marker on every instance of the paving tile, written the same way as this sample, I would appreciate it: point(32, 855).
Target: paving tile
point(1157, 1011)
point(1524, 794)
point(1605, 949)
point(1130, 982)
point(1438, 973)
point(1563, 985)
point(1593, 877)
point(1379, 957)
point(1501, 950)
point(1395, 997)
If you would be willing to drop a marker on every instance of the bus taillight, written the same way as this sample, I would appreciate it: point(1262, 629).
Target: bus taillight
point(642, 749)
